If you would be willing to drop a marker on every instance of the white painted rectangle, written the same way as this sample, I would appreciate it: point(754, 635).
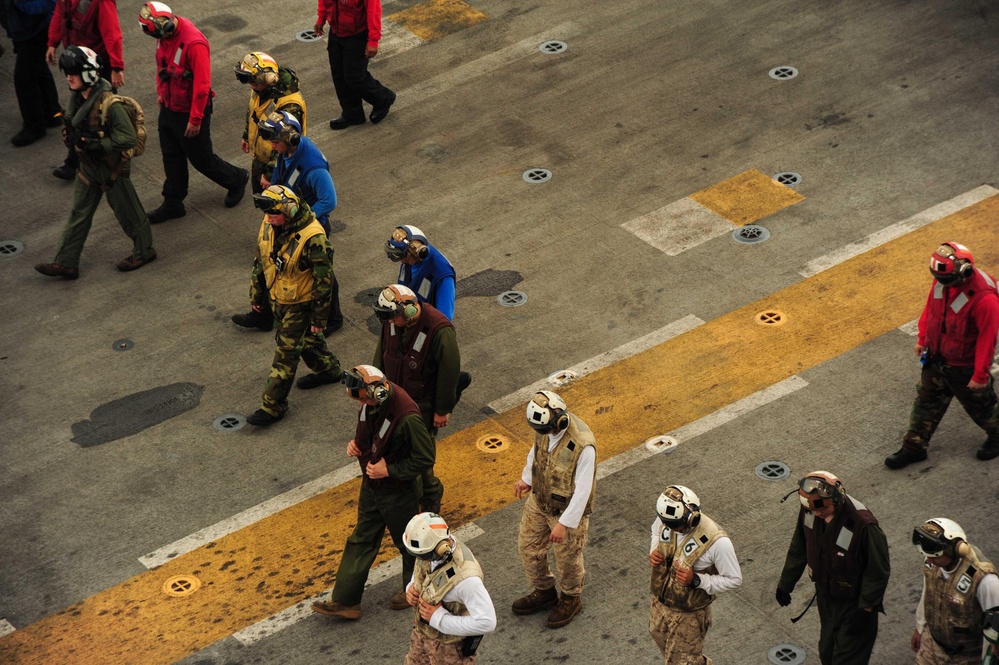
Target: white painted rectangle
point(6, 627)
point(679, 226)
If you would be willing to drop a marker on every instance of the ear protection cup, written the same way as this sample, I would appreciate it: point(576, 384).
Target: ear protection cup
point(378, 392)
point(420, 252)
point(410, 311)
point(290, 210)
point(442, 549)
point(269, 78)
point(692, 518)
point(294, 138)
point(560, 419)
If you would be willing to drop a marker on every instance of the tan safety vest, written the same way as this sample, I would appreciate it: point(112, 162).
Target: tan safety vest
point(261, 149)
point(553, 474)
point(951, 609)
point(432, 588)
point(289, 285)
point(692, 546)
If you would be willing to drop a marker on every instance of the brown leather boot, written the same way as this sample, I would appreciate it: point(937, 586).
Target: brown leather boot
point(399, 601)
point(56, 270)
point(568, 607)
point(539, 599)
point(335, 609)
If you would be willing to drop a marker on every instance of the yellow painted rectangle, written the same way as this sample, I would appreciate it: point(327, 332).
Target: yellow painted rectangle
point(747, 197)
point(434, 19)
point(272, 564)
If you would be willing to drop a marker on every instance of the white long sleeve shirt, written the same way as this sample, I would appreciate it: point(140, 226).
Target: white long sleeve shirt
point(987, 596)
point(583, 480)
point(472, 593)
point(721, 555)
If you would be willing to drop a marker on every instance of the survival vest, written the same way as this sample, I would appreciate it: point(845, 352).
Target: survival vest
point(287, 282)
point(692, 547)
point(407, 363)
point(432, 588)
point(79, 26)
point(951, 330)
point(175, 80)
point(374, 437)
point(951, 608)
point(553, 474)
point(832, 549)
point(347, 17)
point(259, 109)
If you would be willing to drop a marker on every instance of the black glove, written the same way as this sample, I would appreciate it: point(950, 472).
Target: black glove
point(783, 598)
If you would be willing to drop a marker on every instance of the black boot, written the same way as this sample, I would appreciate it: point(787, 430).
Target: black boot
point(170, 209)
point(261, 321)
point(904, 457)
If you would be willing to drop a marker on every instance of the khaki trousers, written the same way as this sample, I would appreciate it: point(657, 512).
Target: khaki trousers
point(680, 635)
point(930, 653)
point(425, 650)
point(534, 541)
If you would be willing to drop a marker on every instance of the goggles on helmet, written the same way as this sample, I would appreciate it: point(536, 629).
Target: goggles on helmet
point(384, 313)
point(354, 383)
point(268, 205)
point(813, 485)
point(243, 76)
point(929, 544)
point(396, 250)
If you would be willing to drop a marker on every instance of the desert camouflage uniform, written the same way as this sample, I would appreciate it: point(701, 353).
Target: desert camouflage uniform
point(931, 653)
point(680, 635)
point(534, 542)
point(424, 650)
point(292, 322)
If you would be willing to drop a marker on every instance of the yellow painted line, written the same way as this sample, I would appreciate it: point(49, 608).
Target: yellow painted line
point(747, 197)
point(270, 565)
point(434, 19)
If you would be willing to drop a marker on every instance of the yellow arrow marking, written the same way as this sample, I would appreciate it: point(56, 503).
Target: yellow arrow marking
point(270, 565)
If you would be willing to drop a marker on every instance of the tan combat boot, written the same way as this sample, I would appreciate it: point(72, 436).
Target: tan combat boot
point(568, 607)
point(335, 609)
point(399, 601)
point(539, 599)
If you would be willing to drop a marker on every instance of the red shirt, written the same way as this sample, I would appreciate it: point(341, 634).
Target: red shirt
point(961, 323)
point(189, 85)
point(352, 17)
point(97, 29)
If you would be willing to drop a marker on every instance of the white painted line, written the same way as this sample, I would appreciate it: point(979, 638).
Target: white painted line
point(281, 620)
point(470, 71)
point(251, 515)
point(897, 230)
point(395, 40)
point(626, 350)
point(705, 424)
point(679, 226)
point(6, 628)
point(910, 328)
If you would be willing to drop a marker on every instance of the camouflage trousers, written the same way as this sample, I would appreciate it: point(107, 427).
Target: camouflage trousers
point(680, 635)
point(931, 653)
point(294, 340)
point(534, 542)
point(938, 384)
point(424, 650)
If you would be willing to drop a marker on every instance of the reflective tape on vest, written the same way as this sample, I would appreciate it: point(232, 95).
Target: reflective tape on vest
point(392, 329)
point(844, 539)
point(809, 521)
point(938, 291)
point(176, 56)
point(294, 177)
point(385, 426)
point(424, 290)
point(988, 280)
point(960, 301)
point(420, 339)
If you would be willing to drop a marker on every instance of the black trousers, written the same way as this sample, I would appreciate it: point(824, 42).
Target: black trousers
point(178, 150)
point(33, 83)
point(351, 78)
point(73, 159)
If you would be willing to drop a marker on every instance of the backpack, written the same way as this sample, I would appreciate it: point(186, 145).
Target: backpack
point(135, 114)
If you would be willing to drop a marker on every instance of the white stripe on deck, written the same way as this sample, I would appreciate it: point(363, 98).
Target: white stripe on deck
point(281, 620)
point(251, 515)
point(705, 424)
point(626, 350)
point(6, 627)
point(897, 230)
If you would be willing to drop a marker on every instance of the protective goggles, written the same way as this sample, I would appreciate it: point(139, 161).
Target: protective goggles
point(384, 313)
point(396, 250)
point(989, 624)
point(671, 523)
point(354, 383)
point(928, 544)
point(151, 25)
point(243, 76)
point(268, 205)
point(269, 131)
point(813, 485)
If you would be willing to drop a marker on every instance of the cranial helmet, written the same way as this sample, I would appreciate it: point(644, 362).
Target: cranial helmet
point(157, 20)
point(820, 488)
point(278, 199)
point(679, 508)
point(366, 381)
point(257, 67)
point(407, 240)
point(938, 537)
point(427, 536)
point(82, 61)
point(951, 264)
point(546, 412)
point(281, 126)
point(397, 300)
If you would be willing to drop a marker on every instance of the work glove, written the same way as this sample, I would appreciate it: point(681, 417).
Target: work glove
point(783, 598)
point(89, 143)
